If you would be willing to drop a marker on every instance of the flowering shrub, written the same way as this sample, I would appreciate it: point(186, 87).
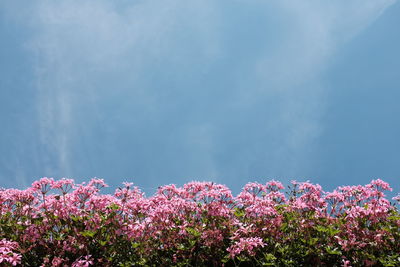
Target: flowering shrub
point(60, 223)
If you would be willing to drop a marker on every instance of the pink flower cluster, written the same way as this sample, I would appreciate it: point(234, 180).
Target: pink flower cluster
point(7, 254)
point(54, 223)
point(245, 244)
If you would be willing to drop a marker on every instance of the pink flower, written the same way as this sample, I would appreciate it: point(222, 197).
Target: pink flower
point(57, 261)
point(15, 259)
point(64, 185)
point(83, 262)
point(245, 245)
point(97, 183)
point(274, 185)
point(379, 184)
point(43, 185)
point(346, 263)
point(7, 252)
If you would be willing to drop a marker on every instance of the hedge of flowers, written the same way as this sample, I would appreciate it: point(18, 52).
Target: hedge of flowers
point(60, 223)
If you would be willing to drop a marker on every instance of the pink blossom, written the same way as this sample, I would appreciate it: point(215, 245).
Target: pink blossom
point(245, 245)
point(8, 252)
point(57, 261)
point(64, 185)
point(43, 185)
point(83, 261)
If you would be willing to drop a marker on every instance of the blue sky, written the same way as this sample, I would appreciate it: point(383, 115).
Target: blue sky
point(232, 91)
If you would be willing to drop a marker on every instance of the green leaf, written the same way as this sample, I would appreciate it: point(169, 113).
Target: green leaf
point(193, 232)
point(312, 241)
point(333, 251)
point(192, 243)
point(394, 218)
point(239, 212)
point(270, 258)
point(114, 206)
point(321, 228)
point(88, 233)
point(75, 218)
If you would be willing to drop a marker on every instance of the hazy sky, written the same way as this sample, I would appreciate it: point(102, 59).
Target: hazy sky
point(158, 91)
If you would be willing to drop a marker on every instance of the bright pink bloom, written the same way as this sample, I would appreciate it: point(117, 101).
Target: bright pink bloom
point(245, 245)
point(83, 262)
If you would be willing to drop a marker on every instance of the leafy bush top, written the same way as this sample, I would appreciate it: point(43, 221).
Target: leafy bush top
point(60, 223)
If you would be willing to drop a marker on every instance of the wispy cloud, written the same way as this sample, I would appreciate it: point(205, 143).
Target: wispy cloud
point(186, 89)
